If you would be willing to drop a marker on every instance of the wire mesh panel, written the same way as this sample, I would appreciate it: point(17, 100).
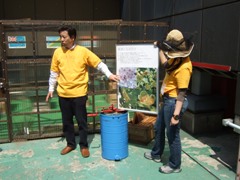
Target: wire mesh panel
point(105, 37)
point(46, 41)
point(26, 50)
point(20, 40)
point(142, 32)
point(133, 33)
point(4, 134)
point(51, 124)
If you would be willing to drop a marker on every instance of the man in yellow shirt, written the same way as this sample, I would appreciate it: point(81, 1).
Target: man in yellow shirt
point(174, 56)
point(69, 69)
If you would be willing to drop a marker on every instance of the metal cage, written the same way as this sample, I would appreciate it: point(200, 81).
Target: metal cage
point(26, 49)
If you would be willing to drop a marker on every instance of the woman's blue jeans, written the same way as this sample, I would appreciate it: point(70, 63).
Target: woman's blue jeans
point(173, 132)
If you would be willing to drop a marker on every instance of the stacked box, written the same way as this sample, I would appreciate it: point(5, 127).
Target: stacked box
point(195, 123)
point(2, 108)
point(112, 85)
point(112, 98)
point(201, 82)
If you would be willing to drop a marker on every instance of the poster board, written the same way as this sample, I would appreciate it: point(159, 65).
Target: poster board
point(138, 68)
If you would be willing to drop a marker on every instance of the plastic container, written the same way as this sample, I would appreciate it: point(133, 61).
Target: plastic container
point(114, 135)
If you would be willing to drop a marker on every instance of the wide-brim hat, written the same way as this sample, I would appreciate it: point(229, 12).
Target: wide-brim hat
point(176, 45)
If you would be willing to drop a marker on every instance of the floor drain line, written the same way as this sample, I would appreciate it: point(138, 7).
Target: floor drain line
point(200, 164)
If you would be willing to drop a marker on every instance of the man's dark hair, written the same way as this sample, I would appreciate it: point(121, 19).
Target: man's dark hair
point(71, 31)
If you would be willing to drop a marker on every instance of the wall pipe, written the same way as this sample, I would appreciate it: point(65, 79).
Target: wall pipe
point(229, 122)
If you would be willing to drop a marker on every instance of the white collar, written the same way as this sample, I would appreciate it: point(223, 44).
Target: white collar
point(71, 48)
point(74, 45)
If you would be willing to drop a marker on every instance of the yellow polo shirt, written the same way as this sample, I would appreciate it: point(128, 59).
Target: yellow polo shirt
point(177, 79)
point(72, 67)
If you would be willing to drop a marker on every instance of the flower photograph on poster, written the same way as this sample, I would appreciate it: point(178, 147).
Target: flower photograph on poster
point(140, 83)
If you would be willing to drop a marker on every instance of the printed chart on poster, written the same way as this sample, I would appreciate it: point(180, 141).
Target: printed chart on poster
point(138, 66)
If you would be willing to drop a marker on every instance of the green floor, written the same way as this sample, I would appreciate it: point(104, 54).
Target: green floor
point(41, 159)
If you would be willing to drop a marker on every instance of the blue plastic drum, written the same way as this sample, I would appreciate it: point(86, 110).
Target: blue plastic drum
point(114, 135)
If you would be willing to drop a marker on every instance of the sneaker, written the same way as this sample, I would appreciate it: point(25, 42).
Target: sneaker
point(167, 169)
point(148, 155)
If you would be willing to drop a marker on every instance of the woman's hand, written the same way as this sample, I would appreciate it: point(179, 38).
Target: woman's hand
point(174, 122)
point(157, 44)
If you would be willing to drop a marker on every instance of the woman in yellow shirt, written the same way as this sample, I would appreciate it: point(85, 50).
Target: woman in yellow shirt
point(174, 56)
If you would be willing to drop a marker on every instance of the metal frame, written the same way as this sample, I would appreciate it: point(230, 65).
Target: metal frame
point(36, 60)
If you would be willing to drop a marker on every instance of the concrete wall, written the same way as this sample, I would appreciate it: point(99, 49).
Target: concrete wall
point(60, 9)
point(213, 24)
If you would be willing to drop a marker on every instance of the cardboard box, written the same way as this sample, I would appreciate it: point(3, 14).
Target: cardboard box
point(206, 122)
point(141, 134)
point(140, 129)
